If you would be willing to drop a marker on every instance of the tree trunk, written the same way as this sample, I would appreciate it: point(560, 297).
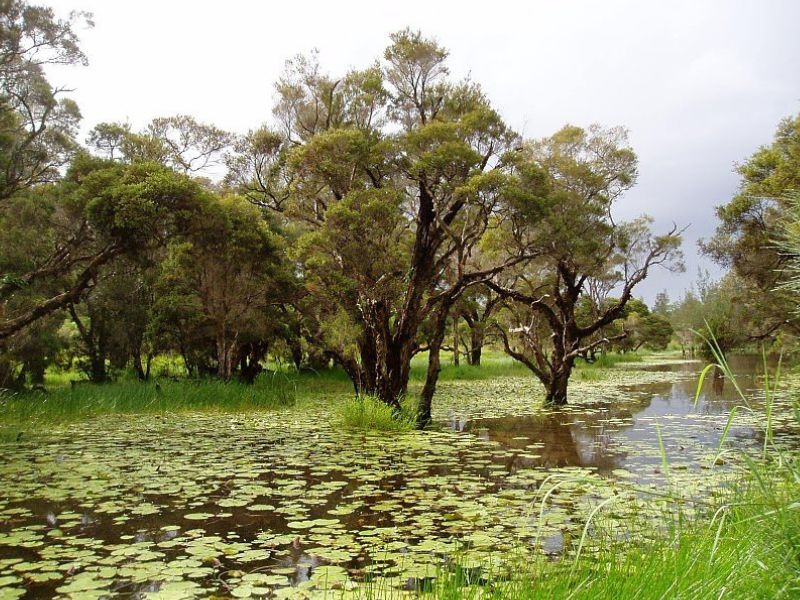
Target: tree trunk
point(476, 346)
point(455, 341)
point(392, 376)
point(562, 362)
point(557, 388)
point(138, 367)
point(98, 372)
point(424, 408)
point(36, 367)
point(226, 356)
point(296, 349)
point(434, 367)
point(12, 377)
point(250, 362)
point(97, 368)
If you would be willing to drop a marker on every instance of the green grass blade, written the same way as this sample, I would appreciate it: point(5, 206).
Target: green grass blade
point(700, 381)
point(724, 435)
point(664, 461)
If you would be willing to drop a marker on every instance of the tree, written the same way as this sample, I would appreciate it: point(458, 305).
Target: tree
point(788, 243)
point(686, 319)
point(728, 309)
point(662, 305)
point(649, 330)
point(725, 315)
point(112, 318)
point(37, 125)
point(576, 240)
point(27, 356)
point(218, 285)
point(388, 177)
point(751, 226)
point(477, 307)
point(100, 211)
point(179, 142)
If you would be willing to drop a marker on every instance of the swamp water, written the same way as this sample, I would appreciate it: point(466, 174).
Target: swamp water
point(287, 504)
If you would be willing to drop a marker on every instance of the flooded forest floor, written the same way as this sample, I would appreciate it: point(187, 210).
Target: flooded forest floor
point(288, 503)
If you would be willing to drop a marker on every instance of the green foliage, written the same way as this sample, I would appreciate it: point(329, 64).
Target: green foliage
point(788, 241)
point(217, 286)
point(662, 305)
point(19, 412)
point(648, 330)
point(372, 414)
point(559, 303)
point(752, 227)
point(37, 125)
point(65, 235)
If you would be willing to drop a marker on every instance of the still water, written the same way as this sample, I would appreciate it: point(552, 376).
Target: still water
point(601, 434)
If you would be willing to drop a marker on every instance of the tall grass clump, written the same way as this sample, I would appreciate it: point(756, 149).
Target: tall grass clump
point(609, 360)
point(370, 413)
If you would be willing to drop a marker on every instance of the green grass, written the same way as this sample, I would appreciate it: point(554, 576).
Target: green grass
point(369, 413)
point(25, 412)
point(496, 364)
point(611, 359)
point(65, 402)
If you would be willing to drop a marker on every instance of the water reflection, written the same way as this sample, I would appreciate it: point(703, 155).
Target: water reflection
point(552, 439)
point(368, 494)
point(601, 434)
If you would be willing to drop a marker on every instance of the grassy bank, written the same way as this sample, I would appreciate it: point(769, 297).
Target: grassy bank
point(23, 413)
point(70, 399)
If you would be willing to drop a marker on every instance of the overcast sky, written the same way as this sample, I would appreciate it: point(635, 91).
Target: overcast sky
point(699, 84)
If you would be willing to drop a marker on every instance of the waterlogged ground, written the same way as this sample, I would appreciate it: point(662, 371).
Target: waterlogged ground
point(289, 505)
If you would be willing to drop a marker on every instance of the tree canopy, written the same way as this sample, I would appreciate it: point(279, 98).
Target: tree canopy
point(376, 211)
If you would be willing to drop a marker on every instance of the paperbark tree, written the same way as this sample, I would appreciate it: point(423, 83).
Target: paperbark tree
point(384, 175)
point(585, 170)
point(99, 212)
point(37, 124)
point(218, 285)
point(751, 229)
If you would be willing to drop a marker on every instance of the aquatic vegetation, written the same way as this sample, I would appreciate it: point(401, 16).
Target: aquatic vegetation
point(291, 504)
point(748, 549)
point(368, 412)
point(29, 412)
